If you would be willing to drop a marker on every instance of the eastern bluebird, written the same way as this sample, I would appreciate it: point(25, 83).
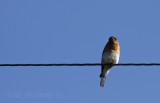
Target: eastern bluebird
point(110, 55)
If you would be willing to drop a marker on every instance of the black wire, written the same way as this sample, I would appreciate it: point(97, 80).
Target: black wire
point(84, 64)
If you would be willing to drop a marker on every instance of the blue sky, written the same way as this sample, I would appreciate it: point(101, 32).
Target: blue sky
point(75, 31)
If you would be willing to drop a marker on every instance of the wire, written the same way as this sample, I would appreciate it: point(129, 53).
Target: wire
point(82, 64)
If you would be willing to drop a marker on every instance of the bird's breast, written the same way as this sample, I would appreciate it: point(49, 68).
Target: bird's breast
point(110, 57)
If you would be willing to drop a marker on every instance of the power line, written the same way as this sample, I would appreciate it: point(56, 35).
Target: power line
point(81, 64)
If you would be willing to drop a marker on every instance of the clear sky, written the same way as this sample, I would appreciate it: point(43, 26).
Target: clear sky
point(76, 31)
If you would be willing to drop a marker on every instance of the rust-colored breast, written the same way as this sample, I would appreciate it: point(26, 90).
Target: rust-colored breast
point(113, 46)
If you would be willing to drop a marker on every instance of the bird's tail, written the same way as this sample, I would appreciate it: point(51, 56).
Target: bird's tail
point(102, 81)
point(103, 78)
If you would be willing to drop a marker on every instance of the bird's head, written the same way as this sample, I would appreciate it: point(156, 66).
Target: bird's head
point(112, 39)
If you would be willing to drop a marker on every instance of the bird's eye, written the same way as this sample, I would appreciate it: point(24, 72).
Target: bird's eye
point(115, 38)
point(112, 38)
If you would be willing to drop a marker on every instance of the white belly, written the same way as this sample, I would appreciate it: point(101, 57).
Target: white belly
point(110, 57)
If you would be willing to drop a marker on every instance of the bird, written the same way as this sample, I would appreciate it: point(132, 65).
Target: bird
point(110, 56)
